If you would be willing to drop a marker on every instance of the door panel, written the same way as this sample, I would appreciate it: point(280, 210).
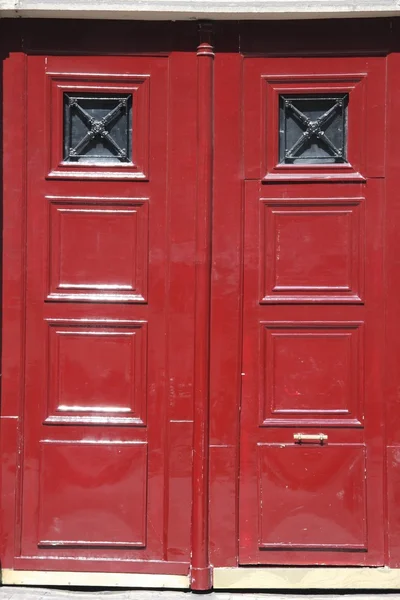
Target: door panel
point(312, 497)
point(99, 297)
point(312, 373)
point(328, 261)
point(311, 471)
point(70, 510)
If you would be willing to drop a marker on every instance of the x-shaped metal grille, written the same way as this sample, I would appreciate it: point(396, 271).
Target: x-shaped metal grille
point(315, 129)
point(98, 128)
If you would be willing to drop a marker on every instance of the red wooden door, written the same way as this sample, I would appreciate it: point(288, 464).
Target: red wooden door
point(106, 422)
point(311, 471)
point(107, 340)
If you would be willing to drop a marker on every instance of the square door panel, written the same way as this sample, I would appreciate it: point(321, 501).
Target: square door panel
point(98, 249)
point(312, 374)
point(92, 494)
point(312, 497)
point(97, 372)
point(312, 250)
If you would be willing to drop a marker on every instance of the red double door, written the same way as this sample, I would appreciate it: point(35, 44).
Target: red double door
point(101, 369)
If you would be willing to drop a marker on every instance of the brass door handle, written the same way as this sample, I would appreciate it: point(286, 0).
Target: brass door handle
point(310, 437)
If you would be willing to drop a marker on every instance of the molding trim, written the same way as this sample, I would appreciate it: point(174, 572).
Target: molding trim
point(193, 9)
point(306, 578)
point(61, 578)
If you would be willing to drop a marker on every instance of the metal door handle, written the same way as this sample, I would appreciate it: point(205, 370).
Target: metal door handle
point(306, 437)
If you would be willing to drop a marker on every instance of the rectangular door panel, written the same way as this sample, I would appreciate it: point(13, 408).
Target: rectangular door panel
point(329, 247)
point(112, 356)
point(79, 509)
point(312, 373)
point(85, 227)
point(312, 497)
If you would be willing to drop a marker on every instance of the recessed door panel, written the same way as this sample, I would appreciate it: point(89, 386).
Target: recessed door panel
point(79, 509)
point(85, 228)
point(312, 373)
point(312, 497)
point(312, 250)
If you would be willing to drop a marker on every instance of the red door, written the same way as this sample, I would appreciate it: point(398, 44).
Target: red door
point(106, 422)
point(311, 471)
point(115, 344)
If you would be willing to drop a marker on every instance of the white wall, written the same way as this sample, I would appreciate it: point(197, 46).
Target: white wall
point(195, 9)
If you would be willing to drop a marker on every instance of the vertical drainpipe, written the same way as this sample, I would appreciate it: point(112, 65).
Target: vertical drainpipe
point(201, 572)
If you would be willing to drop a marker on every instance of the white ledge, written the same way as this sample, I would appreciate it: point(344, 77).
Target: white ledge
point(198, 9)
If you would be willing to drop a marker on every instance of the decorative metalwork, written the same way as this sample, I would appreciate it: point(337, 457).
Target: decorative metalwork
point(97, 128)
point(313, 129)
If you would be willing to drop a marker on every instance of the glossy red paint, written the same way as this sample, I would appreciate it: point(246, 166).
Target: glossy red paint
point(202, 303)
point(313, 314)
point(226, 320)
point(392, 330)
point(107, 452)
